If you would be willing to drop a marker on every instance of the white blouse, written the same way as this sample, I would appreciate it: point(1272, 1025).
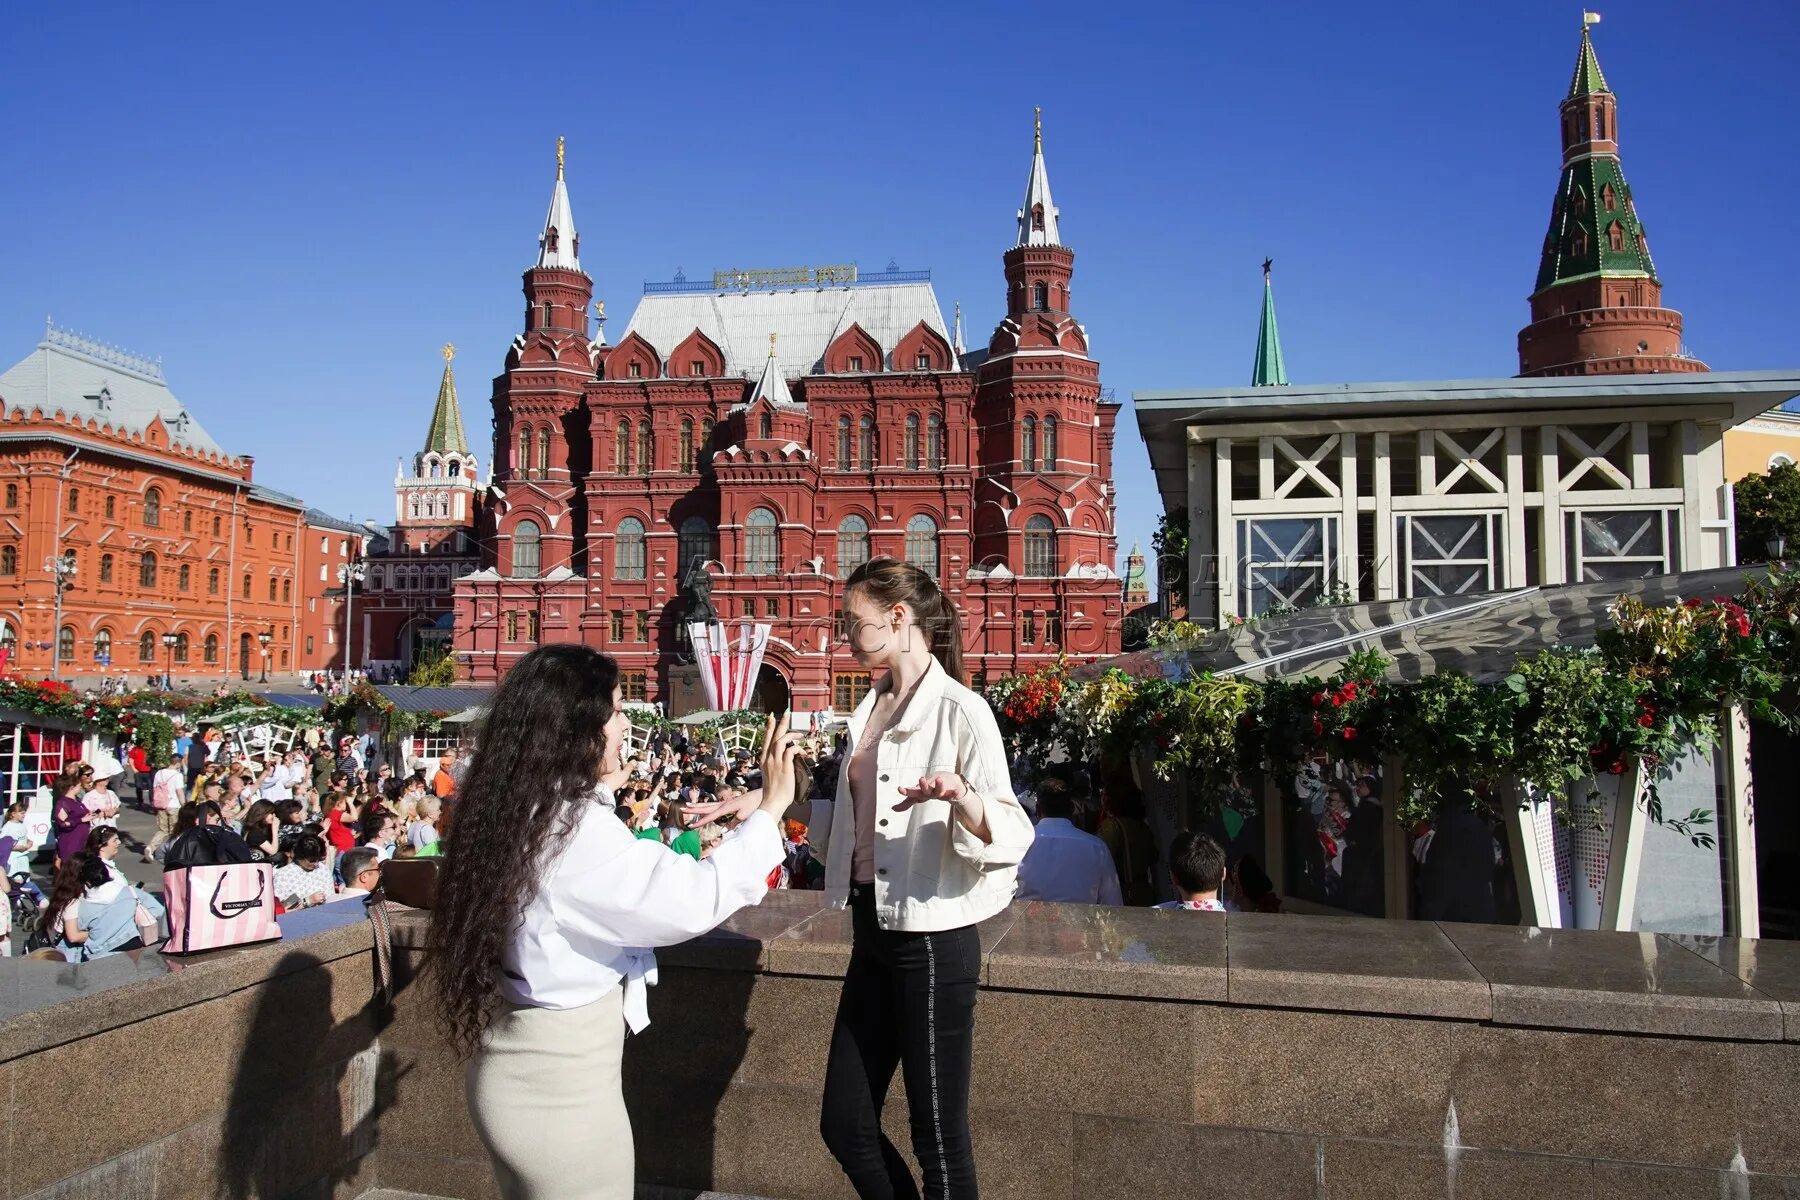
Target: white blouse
point(609, 897)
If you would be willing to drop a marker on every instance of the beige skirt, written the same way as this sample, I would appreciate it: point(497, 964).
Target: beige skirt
point(545, 1095)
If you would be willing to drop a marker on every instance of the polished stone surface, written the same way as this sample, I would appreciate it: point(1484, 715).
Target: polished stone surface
point(1350, 964)
point(820, 945)
point(1627, 982)
point(1111, 952)
point(1771, 967)
point(742, 942)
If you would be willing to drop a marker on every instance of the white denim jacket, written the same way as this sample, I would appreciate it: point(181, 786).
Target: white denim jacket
point(931, 873)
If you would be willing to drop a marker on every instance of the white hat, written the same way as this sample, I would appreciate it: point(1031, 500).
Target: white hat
point(106, 766)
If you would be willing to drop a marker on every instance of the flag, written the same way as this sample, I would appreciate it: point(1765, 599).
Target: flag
point(1590, 18)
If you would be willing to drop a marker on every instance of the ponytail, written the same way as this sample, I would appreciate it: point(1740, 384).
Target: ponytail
point(887, 581)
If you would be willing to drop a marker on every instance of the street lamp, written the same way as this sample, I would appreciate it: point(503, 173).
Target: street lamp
point(349, 574)
point(265, 637)
point(168, 641)
point(1777, 547)
point(61, 568)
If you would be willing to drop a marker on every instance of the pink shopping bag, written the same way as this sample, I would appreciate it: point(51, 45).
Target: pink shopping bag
point(232, 904)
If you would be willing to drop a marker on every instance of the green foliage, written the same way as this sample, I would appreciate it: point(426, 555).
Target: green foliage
point(1767, 505)
point(1170, 542)
point(155, 732)
point(437, 670)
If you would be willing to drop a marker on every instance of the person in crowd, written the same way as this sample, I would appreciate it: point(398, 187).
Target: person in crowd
point(341, 815)
point(360, 870)
point(204, 812)
point(70, 819)
point(422, 830)
point(546, 912)
point(1251, 889)
point(92, 911)
point(261, 830)
point(291, 819)
point(1065, 865)
point(1363, 889)
point(443, 781)
point(18, 860)
point(200, 751)
point(1127, 836)
point(923, 844)
point(377, 831)
point(1197, 868)
point(674, 830)
point(1456, 878)
point(801, 869)
point(323, 766)
point(142, 773)
point(168, 791)
point(305, 879)
point(99, 799)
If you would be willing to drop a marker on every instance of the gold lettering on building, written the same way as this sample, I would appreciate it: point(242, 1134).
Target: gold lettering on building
point(744, 281)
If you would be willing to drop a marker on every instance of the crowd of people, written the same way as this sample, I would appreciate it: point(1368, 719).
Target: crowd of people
point(323, 816)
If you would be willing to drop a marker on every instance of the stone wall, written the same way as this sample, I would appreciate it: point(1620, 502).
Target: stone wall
point(1120, 1053)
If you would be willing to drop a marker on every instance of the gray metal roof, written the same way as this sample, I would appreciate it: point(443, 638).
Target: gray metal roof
point(324, 520)
point(433, 699)
point(271, 496)
point(71, 374)
point(1164, 416)
point(805, 321)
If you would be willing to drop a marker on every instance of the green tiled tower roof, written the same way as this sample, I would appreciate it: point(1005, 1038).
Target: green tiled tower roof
point(446, 436)
point(1271, 368)
point(1594, 226)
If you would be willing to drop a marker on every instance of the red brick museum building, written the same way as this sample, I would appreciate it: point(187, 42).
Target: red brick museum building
point(783, 427)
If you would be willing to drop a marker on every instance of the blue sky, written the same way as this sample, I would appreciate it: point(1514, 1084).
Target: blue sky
point(296, 205)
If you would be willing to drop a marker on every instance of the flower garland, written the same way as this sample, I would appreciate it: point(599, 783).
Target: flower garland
point(1655, 685)
point(55, 700)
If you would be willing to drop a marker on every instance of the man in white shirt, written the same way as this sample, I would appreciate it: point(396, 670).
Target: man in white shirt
point(1064, 864)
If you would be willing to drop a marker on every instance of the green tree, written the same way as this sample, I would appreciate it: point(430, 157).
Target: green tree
point(433, 670)
point(1768, 505)
point(1170, 542)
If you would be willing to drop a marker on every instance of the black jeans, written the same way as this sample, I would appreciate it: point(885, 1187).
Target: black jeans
point(908, 1002)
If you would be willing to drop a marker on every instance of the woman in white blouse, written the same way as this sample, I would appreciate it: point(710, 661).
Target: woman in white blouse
point(548, 909)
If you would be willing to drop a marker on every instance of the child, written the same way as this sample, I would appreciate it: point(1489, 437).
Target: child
point(19, 861)
point(1197, 866)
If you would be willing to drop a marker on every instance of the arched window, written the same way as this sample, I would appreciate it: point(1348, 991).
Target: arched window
point(74, 499)
point(525, 552)
point(628, 550)
point(9, 560)
point(212, 581)
point(646, 448)
point(413, 508)
point(287, 589)
point(1040, 548)
point(696, 543)
point(934, 442)
point(865, 443)
point(271, 591)
point(922, 544)
point(762, 544)
point(687, 444)
point(187, 519)
point(843, 442)
point(153, 507)
point(1027, 444)
point(246, 585)
point(12, 496)
point(453, 468)
point(181, 647)
point(1040, 297)
point(215, 526)
point(106, 568)
point(1037, 218)
point(1049, 443)
point(1615, 236)
point(622, 448)
point(147, 646)
point(110, 507)
point(1777, 461)
point(209, 649)
point(147, 570)
point(852, 545)
point(765, 424)
point(434, 468)
point(522, 462)
point(543, 454)
point(911, 447)
point(182, 578)
point(65, 644)
point(103, 645)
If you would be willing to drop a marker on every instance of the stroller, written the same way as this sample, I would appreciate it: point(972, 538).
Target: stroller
point(26, 900)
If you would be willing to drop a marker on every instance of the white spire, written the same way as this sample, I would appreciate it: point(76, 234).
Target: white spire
point(558, 244)
point(957, 344)
point(773, 385)
point(1037, 220)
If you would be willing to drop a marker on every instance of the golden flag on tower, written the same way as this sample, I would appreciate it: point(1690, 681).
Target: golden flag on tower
point(1590, 18)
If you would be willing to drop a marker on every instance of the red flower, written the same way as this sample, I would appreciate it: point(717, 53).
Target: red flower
point(1318, 699)
point(1646, 720)
point(1743, 625)
point(1618, 768)
point(1337, 701)
point(1349, 733)
point(1318, 726)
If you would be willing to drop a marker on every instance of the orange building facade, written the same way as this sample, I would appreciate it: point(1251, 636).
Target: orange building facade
point(133, 545)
